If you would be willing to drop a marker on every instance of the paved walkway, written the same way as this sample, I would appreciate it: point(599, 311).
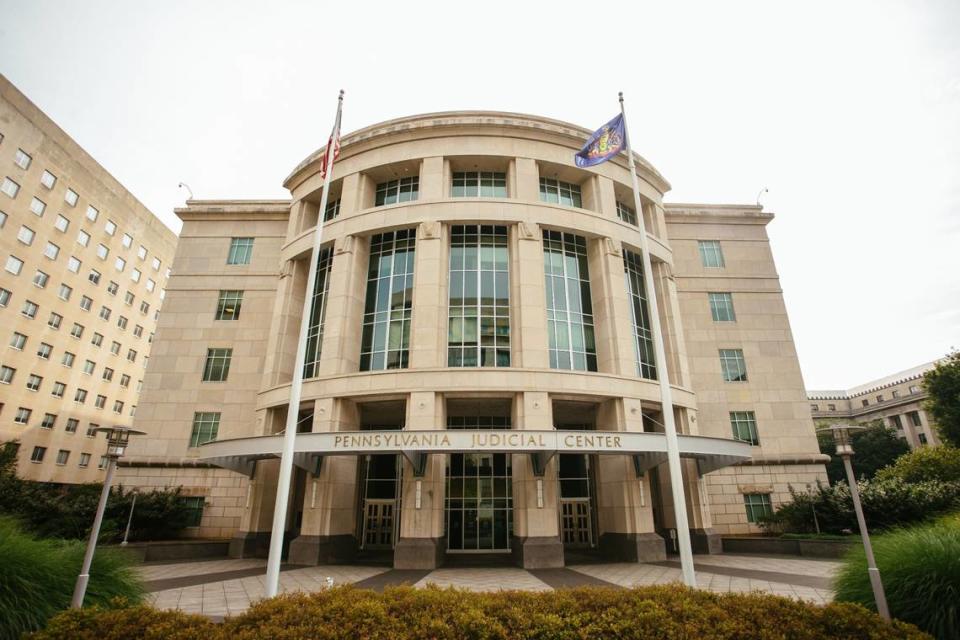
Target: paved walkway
point(219, 588)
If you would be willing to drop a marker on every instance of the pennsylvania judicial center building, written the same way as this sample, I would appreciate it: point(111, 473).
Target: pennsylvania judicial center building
point(479, 373)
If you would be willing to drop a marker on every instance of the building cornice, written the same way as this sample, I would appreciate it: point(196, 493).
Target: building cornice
point(694, 213)
point(242, 209)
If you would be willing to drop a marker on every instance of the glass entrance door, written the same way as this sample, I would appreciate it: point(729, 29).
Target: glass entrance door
point(479, 502)
point(381, 486)
point(576, 500)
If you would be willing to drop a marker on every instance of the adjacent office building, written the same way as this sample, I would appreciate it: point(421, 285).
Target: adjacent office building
point(896, 400)
point(84, 268)
point(479, 372)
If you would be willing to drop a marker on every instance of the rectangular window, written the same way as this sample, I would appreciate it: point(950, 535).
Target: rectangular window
point(758, 505)
point(205, 427)
point(86, 303)
point(711, 255)
point(102, 251)
point(155, 263)
point(59, 389)
point(3, 219)
point(117, 406)
point(479, 184)
point(132, 357)
point(89, 366)
point(744, 425)
point(559, 192)
point(569, 305)
point(128, 298)
point(217, 365)
point(137, 331)
point(4, 297)
point(103, 463)
point(38, 453)
point(115, 348)
point(151, 285)
point(71, 197)
point(14, 265)
point(44, 351)
point(627, 214)
point(241, 250)
point(49, 421)
point(38, 206)
point(394, 191)
point(72, 425)
point(721, 307)
point(193, 506)
point(110, 227)
point(97, 339)
point(478, 323)
point(105, 313)
point(26, 235)
point(640, 313)
point(318, 311)
point(332, 211)
point(6, 374)
point(100, 402)
point(120, 264)
point(914, 389)
point(112, 288)
point(22, 159)
point(84, 460)
point(62, 224)
point(47, 179)
point(51, 251)
point(40, 279)
point(733, 365)
point(915, 418)
point(144, 307)
point(23, 415)
point(18, 340)
point(126, 241)
point(67, 359)
point(107, 374)
point(92, 430)
point(122, 323)
point(10, 187)
point(228, 306)
point(73, 264)
point(65, 292)
point(896, 422)
point(385, 341)
point(62, 456)
point(142, 252)
point(34, 382)
point(92, 213)
point(30, 309)
point(135, 275)
point(124, 381)
point(880, 398)
point(94, 276)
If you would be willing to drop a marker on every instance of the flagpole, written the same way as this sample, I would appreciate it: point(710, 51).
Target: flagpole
point(666, 395)
point(296, 386)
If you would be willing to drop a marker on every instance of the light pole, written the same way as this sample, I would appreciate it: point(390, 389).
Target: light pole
point(126, 533)
point(117, 439)
point(841, 437)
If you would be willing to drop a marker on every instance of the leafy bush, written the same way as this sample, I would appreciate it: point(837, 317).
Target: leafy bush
point(37, 578)
point(942, 384)
point(925, 464)
point(877, 446)
point(886, 503)
point(346, 613)
point(920, 568)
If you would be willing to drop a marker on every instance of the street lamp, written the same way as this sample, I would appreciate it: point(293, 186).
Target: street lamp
point(117, 440)
point(842, 438)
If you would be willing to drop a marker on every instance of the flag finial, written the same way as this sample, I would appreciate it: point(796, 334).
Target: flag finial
point(621, 96)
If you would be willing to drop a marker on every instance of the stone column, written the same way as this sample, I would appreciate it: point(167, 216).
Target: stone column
point(428, 333)
point(611, 311)
point(431, 178)
point(285, 327)
point(528, 331)
point(340, 352)
point(421, 544)
point(536, 540)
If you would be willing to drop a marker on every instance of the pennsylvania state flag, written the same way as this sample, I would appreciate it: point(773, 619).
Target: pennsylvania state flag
point(606, 142)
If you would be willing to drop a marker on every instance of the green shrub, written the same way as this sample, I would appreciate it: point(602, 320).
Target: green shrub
point(345, 613)
point(920, 568)
point(877, 446)
point(925, 464)
point(37, 578)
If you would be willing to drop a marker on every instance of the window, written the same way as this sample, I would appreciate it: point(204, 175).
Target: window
point(483, 184)
point(124, 381)
point(915, 418)
point(97, 339)
point(559, 192)
point(744, 425)
point(914, 389)
point(627, 214)
point(77, 331)
point(102, 251)
point(733, 365)
point(83, 238)
point(721, 307)
point(711, 255)
point(103, 463)
point(62, 224)
point(193, 506)
point(92, 430)
point(89, 366)
point(132, 357)
point(34, 382)
point(569, 305)
point(29, 309)
point(112, 288)
point(51, 251)
point(100, 402)
point(640, 314)
point(48, 422)
point(331, 212)
point(122, 323)
point(59, 389)
point(155, 263)
point(47, 179)
point(922, 438)
point(117, 406)
point(831, 407)
point(92, 213)
point(3, 219)
point(241, 250)
point(135, 275)
point(105, 313)
point(6, 374)
point(205, 427)
point(10, 187)
point(394, 191)
point(4, 297)
point(142, 252)
point(385, 339)
point(23, 415)
point(37, 455)
point(86, 303)
point(110, 227)
point(133, 410)
point(151, 285)
point(14, 265)
point(94, 276)
point(128, 298)
point(137, 331)
point(62, 456)
point(139, 386)
point(896, 422)
point(895, 393)
point(25, 235)
point(40, 279)
point(71, 197)
point(73, 264)
point(115, 348)
point(18, 340)
point(107, 374)
point(126, 241)
point(879, 397)
point(478, 324)
point(865, 402)
point(758, 505)
point(38, 206)
point(217, 365)
point(67, 359)
point(65, 292)
point(22, 159)
point(84, 460)
point(72, 424)
point(44, 351)
point(228, 306)
point(120, 264)
point(144, 307)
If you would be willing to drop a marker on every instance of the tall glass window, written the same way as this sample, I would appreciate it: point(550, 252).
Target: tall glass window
point(206, 424)
point(640, 312)
point(569, 306)
point(318, 313)
point(478, 328)
point(733, 365)
point(711, 254)
point(385, 343)
point(627, 214)
point(744, 425)
point(482, 184)
point(241, 249)
point(560, 192)
point(721, 307)
point(394, 191)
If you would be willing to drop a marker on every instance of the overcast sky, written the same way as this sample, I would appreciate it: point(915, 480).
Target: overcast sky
point(849, 112)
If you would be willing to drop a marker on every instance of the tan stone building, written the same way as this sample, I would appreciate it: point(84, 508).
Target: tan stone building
point(84, 268)
point(897, 400)
point(473, 284)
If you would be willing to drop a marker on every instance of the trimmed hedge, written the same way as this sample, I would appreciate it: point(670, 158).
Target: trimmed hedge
point(404, 613)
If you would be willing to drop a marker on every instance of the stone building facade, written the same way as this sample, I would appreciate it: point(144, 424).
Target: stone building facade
point(472, 278)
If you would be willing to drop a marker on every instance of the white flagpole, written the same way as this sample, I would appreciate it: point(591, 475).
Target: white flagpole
point(666, 398)
point(296, 386)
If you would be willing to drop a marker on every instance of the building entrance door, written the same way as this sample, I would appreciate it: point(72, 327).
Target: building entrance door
point(479, 502)
point(381, 490)
point(378, 519)
point(576, 523)
point(576, 501)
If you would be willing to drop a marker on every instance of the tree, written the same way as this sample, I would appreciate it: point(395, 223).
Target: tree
point(873, 449)
point(942, 384)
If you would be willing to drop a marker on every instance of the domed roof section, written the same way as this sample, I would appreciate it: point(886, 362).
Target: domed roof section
point(432, 123)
